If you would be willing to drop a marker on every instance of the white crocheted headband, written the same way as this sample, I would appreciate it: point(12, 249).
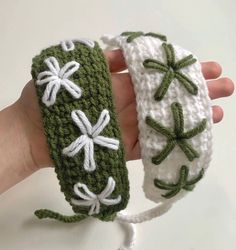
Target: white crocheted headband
point(174, 113)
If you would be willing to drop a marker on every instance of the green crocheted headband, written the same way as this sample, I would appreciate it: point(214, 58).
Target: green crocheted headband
point(75, 96)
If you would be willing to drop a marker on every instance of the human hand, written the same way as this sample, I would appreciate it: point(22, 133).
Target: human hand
point(124, 98)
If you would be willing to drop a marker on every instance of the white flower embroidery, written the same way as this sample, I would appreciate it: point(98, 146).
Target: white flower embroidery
point(56, 77)
point(68, 45)
point(89, 137)
point(88, 198)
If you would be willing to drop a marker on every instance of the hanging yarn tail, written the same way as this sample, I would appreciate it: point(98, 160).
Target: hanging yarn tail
point(130, 220)
point(48, 214)
point(144, 216)
point(131, 237)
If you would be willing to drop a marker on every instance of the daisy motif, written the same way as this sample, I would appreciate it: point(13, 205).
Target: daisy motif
point(68, 45)
point(56, 77)
point(90, 135)
point(88, 198)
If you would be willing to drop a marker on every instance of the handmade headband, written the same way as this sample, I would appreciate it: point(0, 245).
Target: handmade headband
point(174, 120)
point(174, 113)
point(73, 84)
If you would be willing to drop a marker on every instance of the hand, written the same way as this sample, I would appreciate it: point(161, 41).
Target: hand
point(125, 105)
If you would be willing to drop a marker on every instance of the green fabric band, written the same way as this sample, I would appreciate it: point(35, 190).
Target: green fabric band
point(93, 79)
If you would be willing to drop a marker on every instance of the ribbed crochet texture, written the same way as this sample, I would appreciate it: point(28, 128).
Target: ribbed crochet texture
point(93, 78)
point(164, 74)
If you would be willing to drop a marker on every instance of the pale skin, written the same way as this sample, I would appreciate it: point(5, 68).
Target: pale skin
point(23, 146)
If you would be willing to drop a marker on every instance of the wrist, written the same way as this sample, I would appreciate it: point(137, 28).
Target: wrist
point(32, 127)
point(15, 161)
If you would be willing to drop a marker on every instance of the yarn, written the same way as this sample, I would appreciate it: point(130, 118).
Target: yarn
point(90, 135)
point(171, 70)
point(176, 136)
point(55, 78)
point(164, 74)
point(81, 127)
point(84, 138)
point(88, 198)
point(182, 183)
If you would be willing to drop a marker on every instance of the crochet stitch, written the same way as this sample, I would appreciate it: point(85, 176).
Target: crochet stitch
point(182, 183)
point(174, 120)
point(177, 136)
point(73, 85)
point(147, 59)
point(171, 70)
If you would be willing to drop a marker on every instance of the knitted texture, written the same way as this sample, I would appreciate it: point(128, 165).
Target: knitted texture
point(73, 85)
point(174, 114)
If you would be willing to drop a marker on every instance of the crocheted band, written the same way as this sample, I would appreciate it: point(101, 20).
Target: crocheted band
point(73, 85)
point(174, 113)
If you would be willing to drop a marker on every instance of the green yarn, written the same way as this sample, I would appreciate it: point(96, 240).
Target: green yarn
point(132, 35)
point(93, 77)
point(172, 70)
point(45, 213)
point(176, 136)
point(182, 183)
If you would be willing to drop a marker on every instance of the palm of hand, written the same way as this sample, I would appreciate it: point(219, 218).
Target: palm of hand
point(124, 98)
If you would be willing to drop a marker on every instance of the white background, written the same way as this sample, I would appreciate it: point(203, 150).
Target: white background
point(206, 218)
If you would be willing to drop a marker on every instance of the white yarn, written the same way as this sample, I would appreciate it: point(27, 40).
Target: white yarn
point(55, 78)
point(90, 135)
point(131, 239)
point(146, 215)
point(195, 109)
point(68, 45)
point(88, 198)
point(130, 220)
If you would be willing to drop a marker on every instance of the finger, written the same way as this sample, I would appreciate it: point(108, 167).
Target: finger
point(129, 127)
point(123, 90)
point(211, 70)
point(220, 88)
point(218, 114)
point(115, 60)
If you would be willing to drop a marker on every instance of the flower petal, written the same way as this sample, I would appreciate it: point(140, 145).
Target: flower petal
point(82, 202)
point(101, 123)
point(108, 189)
point(81, 121)
point(110, 202)
point(69, 69)
point(72, 88)
point(42, 75)
point(107, 142)
point(86, 42)
point(50, 93)
point(67, 45)
point(75, 146)
point(89, 163)
point(87, 195)
point(47, 80)
point(97, 207)
point(53, 65)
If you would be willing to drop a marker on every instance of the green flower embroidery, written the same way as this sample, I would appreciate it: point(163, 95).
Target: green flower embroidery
point(172, 70)
point(132, 35)
point(177, 136)
point(182, 183)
